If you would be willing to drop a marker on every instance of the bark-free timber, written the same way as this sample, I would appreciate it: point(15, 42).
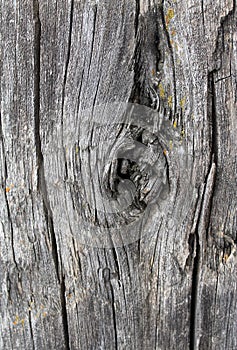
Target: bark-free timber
point(67, 281)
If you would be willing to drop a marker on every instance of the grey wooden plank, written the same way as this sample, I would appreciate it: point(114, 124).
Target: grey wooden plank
point(88, 264)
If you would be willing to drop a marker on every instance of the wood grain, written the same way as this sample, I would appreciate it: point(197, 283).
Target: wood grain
point(118, 174)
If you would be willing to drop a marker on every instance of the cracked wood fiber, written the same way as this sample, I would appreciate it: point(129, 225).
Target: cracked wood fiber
point(161, 274)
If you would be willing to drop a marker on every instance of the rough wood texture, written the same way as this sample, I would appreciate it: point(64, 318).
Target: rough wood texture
point(160, 273)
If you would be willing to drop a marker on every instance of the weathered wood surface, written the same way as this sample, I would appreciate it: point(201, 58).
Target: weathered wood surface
point(74, 273)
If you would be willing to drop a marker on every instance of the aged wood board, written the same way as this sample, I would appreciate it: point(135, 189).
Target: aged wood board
point(118, 174)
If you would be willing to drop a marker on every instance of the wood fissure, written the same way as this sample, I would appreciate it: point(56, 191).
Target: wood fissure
point(64, 313)
point(114, 318)
point(31, 330)
point(199, 260)
point(137, 15)
point(203, 15)
point(4, 185)
point(12, 232)
point(93, 37)
point(136, 90)
point(212, 118)
point(37, 38)
point(167, 35)
point(195, 281)
point(65, 76)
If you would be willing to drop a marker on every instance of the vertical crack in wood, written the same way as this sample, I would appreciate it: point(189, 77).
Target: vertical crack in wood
point(202, 223)
point(203, 220)
point(60, 276)
point(93, 37)
point(137, 14)
point(201, 237)
point(53, 243)
point(41, 183)
point(136, 89)
point(203, 15)
point(65, 77)
point(116, 262)
point(59, 273)
point(3, 147)
point(110, 295)
point(5, 194)
point(194, 291)
point(171, 54)
point(11, 230)
point(37, 38)
point(114, 321)
point(64, 313)
point(31, 330)
point(212, 116)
